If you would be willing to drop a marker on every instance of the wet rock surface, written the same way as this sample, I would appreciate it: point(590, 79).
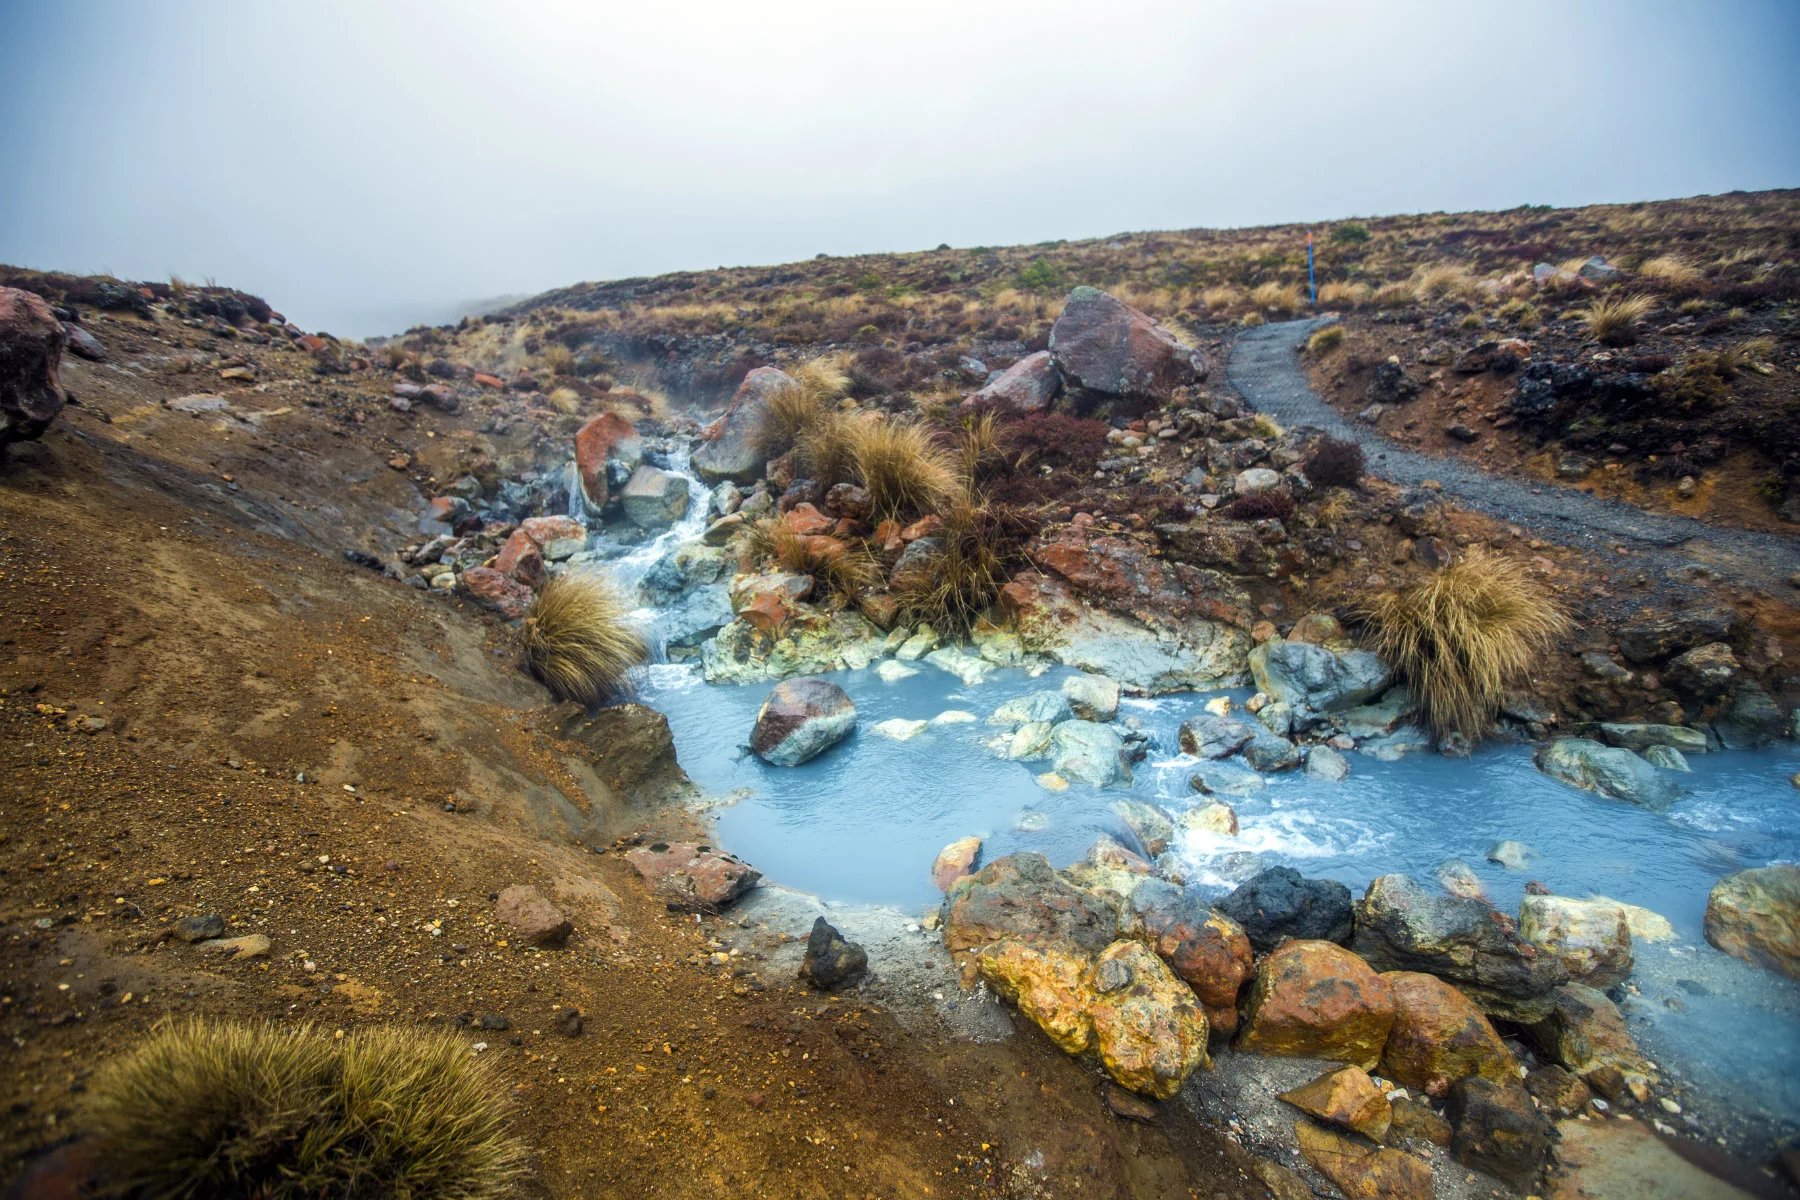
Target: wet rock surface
point(1755, 915)
point(1280, 903)
point(1317, 1000)
point(801, 719)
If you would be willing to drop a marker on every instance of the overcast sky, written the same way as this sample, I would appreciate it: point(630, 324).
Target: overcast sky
point(361, 164)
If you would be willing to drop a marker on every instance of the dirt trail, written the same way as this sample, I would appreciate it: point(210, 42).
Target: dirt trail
point(1265, 369)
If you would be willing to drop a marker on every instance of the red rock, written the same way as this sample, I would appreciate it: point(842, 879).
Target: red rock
point(954, 861)
point(522, 558)
point(497, 591)
point(1206, 949)
point(1317, 1000)
point(606, 436)
point(806, 520)
point(887, 536)
point(440, 396)
point(31, 348)
point(533, 918)
point(1027, 386)
point(766, 612)
point(489, 381)
point(544, 530)
point(691, 877)
point(1104, 345)
point(1440, 1036)
point(923, 527)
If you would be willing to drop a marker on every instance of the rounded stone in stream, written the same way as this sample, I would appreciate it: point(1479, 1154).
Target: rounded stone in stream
point(830, 960)
point(1280, 903)
point(801, 719)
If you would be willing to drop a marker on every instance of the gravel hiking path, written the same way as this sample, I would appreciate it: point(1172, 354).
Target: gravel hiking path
point(1264, 367)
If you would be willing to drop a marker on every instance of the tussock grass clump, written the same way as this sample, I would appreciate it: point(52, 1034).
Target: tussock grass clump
point(982, 543)
point(1447, 281)
point(1326, 339)
point(1334, 462)
point(230, 1109)
point(1399, 294)
point(1260, 506)
point(578, 638)
point(1277, 297)
point(1218, 299)
point(825, 448)
point(840, 572)
point(1339, 294)
point(1673, 271)
point(905, 469)
point(1464, 635)
point(818, 385)
point(1614, 321)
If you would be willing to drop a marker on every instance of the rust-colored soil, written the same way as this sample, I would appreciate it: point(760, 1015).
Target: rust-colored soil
point(354, 769)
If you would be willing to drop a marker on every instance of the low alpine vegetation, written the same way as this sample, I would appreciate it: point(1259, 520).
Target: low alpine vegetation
point(1464, 635)
point(1334, 462)
point(1327, 339)
point(229, 1109)
point(794, 410)
point(1614, 321)
point(904, 467)
point(579, 641)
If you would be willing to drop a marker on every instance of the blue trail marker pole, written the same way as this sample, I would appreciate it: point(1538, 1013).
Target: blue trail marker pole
point(1311, 286)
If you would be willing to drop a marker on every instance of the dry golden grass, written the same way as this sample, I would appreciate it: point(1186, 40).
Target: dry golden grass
point(578, 639)
point(905, 469)
point(1466, 634)
point(228, 1109)
point(1326, 339)
point(824, 448)
point(1399, 294)
point(840, 572)
point(1672, 270)
point(559, 359)
point(1613, 321)
point(566, 401)
point(1446, 281)
point(980, 544)
point(1277, 297)
point(1220, 299)
point(1340, 294)
point(818, 385)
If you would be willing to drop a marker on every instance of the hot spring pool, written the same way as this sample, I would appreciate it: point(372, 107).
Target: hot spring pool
point(862, 823)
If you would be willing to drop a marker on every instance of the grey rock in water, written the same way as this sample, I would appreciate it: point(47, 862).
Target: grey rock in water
point(801, 719)
point(1269, 752)
point(1088, 752)
point(1092, 697)
point(1667, 757)
point(1209, 735)
point(830, 960)
point(1511, 854)
point(1304, 675)
point(1591, 938)
point(1609, 770)
point(1642, 737)
point(1153, 828)
point(1326, 763)
point(1751, 720)
point(1050, 707)
point(654, 499)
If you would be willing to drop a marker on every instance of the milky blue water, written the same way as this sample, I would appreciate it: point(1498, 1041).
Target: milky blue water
point(863, 822)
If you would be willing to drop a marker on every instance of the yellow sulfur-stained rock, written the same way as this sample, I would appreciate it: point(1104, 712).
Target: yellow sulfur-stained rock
point(1439, 1036)
point(1047, 984)
point(1149, 1029)
point(1363, 1172)
point(1317, 1000)
point(1346, 1097)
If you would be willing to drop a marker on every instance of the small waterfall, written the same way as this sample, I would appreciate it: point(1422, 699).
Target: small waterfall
point(628, 571)
point(577, 502)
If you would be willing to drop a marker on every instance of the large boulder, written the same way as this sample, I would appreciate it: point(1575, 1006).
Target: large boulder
point(1400, 926)
point(1022, 898)
point(1609, 770)
point(1311, 677)
point(531, 916)
point(1149, 1031)
point(497, 591)
point(1028, 386)
point(1092, 697)
point(690, 877)
point(806, 641)
point(1639, 737)
point(1591, 938)
point(1439, 1036)
point(1755, 915)
point(736, 450)
point(1280, 903)
point(1104, 345)
point(32, 341)
point(1499, 1131)
point(608, 437)
point(1088, 752)
point(1047, 983)
point(801, 719)
point(1750, 720)
point(1584, 1032)
point(1703, 673)
point(955, 861)
point(654, 499)
point(1318, 1000)
point(1203, 946)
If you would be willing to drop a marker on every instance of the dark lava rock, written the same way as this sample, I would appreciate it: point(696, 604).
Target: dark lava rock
point(1210, 735)
point(200, 929)
point(1544, 385)
point(1654, 637)
point(1751, 720)
point(494, 1022)
point(1391, 385)
point(567, 1022)
point(1103, 345)
point(1497, 1130)
point(1023, 898)
point(1400, 926)
point(1280, 903)
point(830, 960)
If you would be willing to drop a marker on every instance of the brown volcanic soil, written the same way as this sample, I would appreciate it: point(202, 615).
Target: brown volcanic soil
point(180, 577)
